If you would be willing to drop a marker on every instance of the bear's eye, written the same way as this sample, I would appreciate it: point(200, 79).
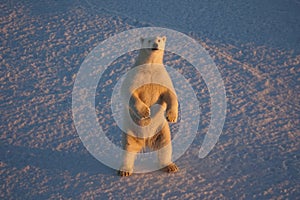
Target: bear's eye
point(158, 40)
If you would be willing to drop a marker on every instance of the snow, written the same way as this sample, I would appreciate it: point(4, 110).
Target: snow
point(255, 45)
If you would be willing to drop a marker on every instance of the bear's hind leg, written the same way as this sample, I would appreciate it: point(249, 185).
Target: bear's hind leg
point(132, 146)
point(163, 145)
point(127, 168)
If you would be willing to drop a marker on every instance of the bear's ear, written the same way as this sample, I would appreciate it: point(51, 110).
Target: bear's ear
point(164, 38)
point(142, 39)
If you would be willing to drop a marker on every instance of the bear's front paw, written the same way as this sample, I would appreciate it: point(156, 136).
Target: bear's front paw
point(171, 116)
point(144, 112)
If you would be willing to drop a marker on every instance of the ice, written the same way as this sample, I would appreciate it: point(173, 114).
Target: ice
point(255, 45)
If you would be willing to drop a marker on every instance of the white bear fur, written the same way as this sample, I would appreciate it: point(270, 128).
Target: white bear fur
point(150, 101)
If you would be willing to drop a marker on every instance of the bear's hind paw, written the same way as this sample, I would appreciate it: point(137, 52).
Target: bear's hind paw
point(171, 168)
point(124, 173)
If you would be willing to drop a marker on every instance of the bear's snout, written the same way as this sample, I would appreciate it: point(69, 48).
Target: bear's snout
point(155, 46)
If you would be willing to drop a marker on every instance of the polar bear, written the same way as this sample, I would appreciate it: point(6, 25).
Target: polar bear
point(150, 102)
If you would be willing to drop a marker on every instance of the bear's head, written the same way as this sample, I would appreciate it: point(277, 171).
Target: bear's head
point(154, 43)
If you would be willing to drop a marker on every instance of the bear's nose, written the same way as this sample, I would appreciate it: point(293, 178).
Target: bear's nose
point(155, 45)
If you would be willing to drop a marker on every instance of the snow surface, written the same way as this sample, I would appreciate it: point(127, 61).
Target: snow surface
point(255, 45)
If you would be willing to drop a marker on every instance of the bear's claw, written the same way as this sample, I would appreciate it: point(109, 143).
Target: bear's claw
point(171, 116)
point(171, 168)
point(124, 173)
point(144, 112)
